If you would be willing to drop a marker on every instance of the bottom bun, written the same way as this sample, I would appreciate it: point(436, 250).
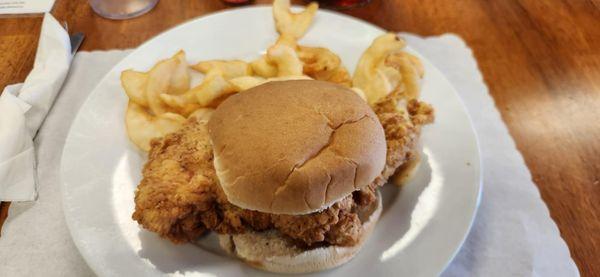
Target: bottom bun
point(271, 252)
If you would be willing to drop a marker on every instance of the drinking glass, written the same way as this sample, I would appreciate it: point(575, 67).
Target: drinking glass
point(122, 9)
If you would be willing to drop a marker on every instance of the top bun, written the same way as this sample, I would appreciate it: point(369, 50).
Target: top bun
point(295, 147)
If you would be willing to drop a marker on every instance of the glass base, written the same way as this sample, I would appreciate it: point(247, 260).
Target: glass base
point(122, 9)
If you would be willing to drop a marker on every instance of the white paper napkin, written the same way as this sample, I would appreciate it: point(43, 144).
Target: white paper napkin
point(24, 107)
point(513, 234)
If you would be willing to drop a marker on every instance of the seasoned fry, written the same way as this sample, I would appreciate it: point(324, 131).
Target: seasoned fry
point(317, 59)
point(339, 76)
point(293, 24)
point(263, 67)
point(159, 81)
point(178, 101)
point(287, 40)
point(288, 78)
point(286, 60)
point(180, 77)
point(390, 75)
point(142, 127)
point(228, 69)
point(416, 62)
point(183, 104)
point(371, 74)
point(212, 88)
point(134, 84)
point(410, 76)
point(322, 64)
point(202, 114)
point(360, 93)
point(246, 82)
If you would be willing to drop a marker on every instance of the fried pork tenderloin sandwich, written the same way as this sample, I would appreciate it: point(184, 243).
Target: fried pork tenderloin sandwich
point(286, 173)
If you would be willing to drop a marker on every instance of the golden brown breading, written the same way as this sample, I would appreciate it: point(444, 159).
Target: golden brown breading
point(322, 64)
point(321, 226)
point(402, 122)
point(178, 185)
point(179, 196)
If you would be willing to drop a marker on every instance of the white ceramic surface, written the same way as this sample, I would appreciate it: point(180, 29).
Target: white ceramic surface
point(421, 229)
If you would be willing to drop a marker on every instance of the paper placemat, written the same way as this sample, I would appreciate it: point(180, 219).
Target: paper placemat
point(513, 234)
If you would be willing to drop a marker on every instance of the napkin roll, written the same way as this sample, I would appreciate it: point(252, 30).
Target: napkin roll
point(24, 107)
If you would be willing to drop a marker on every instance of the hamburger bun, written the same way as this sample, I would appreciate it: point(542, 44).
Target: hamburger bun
point(271, 252)
point(295, 147)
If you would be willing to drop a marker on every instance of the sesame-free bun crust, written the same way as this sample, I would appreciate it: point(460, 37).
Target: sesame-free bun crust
point(295, 147)
point(271, 252)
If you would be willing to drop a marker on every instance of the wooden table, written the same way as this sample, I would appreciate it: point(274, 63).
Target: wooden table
point(540, 59)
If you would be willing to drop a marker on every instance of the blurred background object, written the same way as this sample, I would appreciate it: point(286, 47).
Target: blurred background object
point(122, 9)
point(237, 2)
point(341, 4)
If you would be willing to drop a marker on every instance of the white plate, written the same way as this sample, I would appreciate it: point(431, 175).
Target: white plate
point(423, 224)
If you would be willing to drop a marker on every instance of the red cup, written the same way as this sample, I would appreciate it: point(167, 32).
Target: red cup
point(341, 4)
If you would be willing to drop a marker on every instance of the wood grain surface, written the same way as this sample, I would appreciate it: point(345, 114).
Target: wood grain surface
point(540, 59)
